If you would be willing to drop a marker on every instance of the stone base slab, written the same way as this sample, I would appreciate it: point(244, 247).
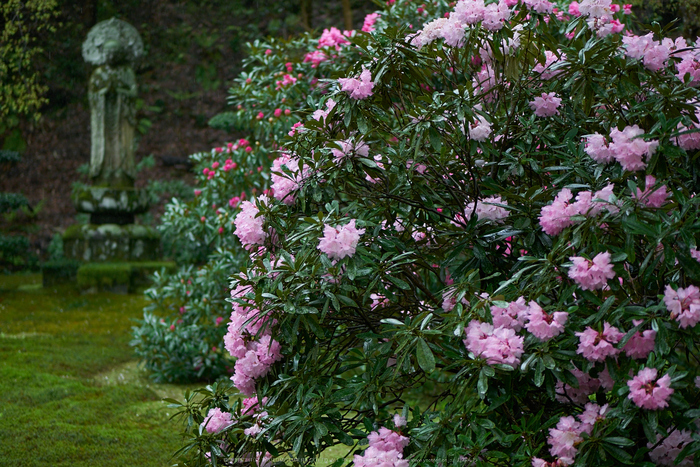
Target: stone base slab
point(111, 205)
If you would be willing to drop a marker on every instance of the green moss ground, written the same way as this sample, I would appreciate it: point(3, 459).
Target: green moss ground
point(70, 393)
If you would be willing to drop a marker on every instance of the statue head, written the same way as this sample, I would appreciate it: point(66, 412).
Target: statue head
point(112, 42)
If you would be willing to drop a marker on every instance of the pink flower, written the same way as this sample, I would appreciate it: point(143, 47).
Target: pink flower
point(689, 137)
point(315, 57)
point(648, 392)
point(512, 317)
point(667, 452)
point(449, 299)
point(695, 254)
point(586, 387)
point(557, 216)
point(540, 6)
point(387, 440)
point(370, 19)
point(216, 420)
point(591, 204)
point(543, 325)
point(322, 114)
point(591, 275)
point(488, 209)
point(597, 148)
point(596, 346)
point(298, 127)
point(332, 37)
point(284, 184)
point(480, 130)
point(628, 148)
point(340, 241)
point(545, 70)
point(399, 420)
point(652, 198)
point(546, 105)
point(268, 350)
point(385, 449)
point(350, 148)
point(591, 414)
point(684, 305)
point(573, 9)
point(640, 344)
point(358, 88)
point(374, 457)
point(499, 345)
point(564, 438)
point(249, 225)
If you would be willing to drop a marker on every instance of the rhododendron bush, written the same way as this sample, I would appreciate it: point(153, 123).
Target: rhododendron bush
point(494, 206)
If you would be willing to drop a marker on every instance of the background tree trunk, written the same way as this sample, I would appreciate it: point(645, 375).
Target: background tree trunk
point(347, 14)
point(306, 14)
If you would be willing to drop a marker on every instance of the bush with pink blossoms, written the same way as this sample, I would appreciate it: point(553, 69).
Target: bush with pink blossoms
point(522, 273)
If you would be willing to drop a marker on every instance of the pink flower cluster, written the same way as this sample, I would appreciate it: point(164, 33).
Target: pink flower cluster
point(216, 420)
point(489, 209)
point(253, 407)
point(385, 449)
point(655, 54)
point(586, 387)
point(287, 80)
point(333, 37)
point(496, 345)
point(592, 275)
point(599, 15)
point(349, 148)
point(648, 392)
point(546, 105)
point(557, 216)
point(540, 6)
point(340, 241)
point(284, 184)
point(545, 70)
point(249, 225)
point(596, 346)
point(480, 130)
point(249, 340)
point(567, 435)
point(695, 254)
point(466, 13)
point(667, 452)
point(689, 137)
point(491, 16)
point(626, 147)
point(370, 20)
point(684, 305)
point(513, 316)
point(358, 88)
point(650, 197)
point(449, 299)
point(640, 344)
point(543, 325)
point(322, 114)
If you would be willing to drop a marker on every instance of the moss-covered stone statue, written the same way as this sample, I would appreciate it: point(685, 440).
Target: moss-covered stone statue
point(113, 46)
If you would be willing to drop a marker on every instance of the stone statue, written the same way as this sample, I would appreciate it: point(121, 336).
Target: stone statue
point(113, 46)
point(111, 200)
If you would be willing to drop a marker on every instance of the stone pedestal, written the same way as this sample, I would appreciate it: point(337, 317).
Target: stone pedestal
point(111, 242)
